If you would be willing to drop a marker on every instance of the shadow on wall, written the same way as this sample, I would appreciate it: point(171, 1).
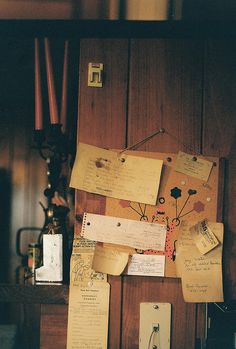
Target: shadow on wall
point(208, 9)
point(5, 215)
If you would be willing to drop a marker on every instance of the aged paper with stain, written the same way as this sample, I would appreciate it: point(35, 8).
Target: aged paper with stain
point(116, 175)
point(204, 238)
point(88, 315)
point(109, 260)
point(81, 262)
point(201, 275)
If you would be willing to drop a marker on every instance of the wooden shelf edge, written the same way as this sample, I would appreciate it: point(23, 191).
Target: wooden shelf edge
point(36, 294)
point(118, 28)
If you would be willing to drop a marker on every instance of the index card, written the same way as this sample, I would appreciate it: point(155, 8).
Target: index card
point(193, 166)
point(116, 175)
point(121, 231)
point(201, 274)
point(146, 265)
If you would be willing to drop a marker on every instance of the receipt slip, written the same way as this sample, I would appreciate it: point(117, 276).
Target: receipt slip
point(121, 231)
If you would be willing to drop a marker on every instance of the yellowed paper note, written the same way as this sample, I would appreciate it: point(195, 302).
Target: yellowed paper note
point(121, 231)
point(88, 315)
point(193, 166)
point(81, 262)
point(111, 174)
point(109, 261)
point(204, 238)
point(146, 265)
point(201, 275)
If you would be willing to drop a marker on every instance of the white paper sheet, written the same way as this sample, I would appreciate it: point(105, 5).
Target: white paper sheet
point(146, 265)
point(121, 231)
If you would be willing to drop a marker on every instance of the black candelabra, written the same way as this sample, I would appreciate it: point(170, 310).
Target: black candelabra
point(53, 146)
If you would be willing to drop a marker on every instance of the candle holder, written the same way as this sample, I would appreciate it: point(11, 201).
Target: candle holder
point(53, 146)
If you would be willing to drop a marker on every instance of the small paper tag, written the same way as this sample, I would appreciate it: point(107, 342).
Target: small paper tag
point(193, 166)
point(203, 236)
point(146, 265)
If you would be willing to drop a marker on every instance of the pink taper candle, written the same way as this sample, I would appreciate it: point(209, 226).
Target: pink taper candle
point(51, 89)
point(37, 88)
point(64, 88)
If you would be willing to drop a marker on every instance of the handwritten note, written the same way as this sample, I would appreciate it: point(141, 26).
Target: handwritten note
point(109, 260)
point(203, 236)
point(201, 275)
point(193, 166)
point(111, 174)
point(81, 262)
point(88, 315)
point(121, 231)
point(146, 265)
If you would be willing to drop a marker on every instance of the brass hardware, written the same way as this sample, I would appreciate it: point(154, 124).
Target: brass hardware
point(95, 71)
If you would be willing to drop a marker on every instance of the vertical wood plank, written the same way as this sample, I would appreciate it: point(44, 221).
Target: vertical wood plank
point(30, 331)
point(165, 91)
point(102, 122)
point(53, 326)
point(219, 130)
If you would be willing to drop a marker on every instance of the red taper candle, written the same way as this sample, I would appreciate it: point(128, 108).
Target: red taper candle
point(51, 88)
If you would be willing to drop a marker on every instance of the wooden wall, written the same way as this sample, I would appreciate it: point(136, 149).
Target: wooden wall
point(185, 86)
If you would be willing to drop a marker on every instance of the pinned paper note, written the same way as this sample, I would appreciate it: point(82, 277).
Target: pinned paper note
point(203, 236)
point(121, 231)
point(201, 275)
point(88, 315)
point(116, 175)
point(193, 166)
point(109, 260)
point(180, 197)
point(146, 265)
point(81, 262)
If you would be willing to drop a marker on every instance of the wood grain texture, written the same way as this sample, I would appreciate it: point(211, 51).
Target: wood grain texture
point(147, 289)
point(33, 294)
point(53, 326)
point(102, 122)
point(219, 131)
point(30, 331)
point(165, 91)
point(166, 79)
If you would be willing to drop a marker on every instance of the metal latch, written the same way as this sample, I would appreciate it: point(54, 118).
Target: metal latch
point(95, 75)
